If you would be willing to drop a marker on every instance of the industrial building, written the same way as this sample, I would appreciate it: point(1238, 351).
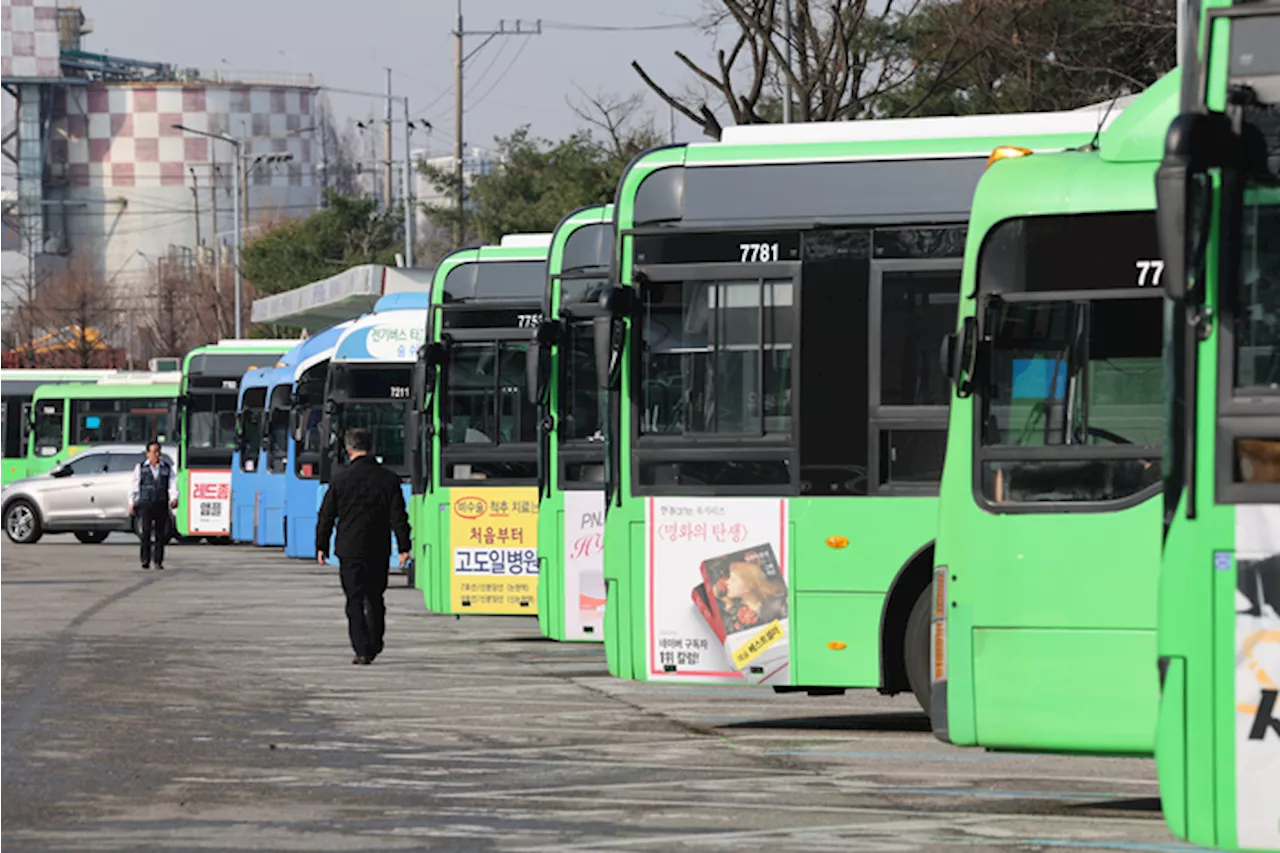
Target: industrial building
point(102, 175)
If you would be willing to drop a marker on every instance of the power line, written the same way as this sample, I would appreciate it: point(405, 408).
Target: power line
point(478, 101)
point(606, 28)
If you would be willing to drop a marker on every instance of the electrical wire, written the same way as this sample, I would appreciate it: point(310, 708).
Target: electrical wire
point(478, 101)
point(484, 72)
point(607, 28)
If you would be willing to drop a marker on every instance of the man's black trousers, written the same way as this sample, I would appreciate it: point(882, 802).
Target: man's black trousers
point(155, 522)
point(364, 582)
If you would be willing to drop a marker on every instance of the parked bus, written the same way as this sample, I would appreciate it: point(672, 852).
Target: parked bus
point(205, 423)
point(777, 410)
point(119, 409)
point(563, 382)
point(247, 464)
point(1218, 635)
point(475, 495)
point(295, 401)
point(16, 388)
point(1048, 546)
point(367, 385)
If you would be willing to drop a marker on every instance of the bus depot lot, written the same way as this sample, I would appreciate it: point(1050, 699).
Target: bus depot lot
point(214, 706)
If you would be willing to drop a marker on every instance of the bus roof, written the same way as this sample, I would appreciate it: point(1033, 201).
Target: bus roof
point(1084, 120)
point(391, 337)
point(562, 256)
point(398, 301)
point(453, 284)
point(306, 355)
point(104, 391)
point(526, 241)
point(233, 359)
point(1118, 175)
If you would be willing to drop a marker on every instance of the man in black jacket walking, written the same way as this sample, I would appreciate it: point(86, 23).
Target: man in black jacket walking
point(365, 500)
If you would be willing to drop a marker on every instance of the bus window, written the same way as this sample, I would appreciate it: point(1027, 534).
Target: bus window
point(1066, 375)
point(582, 403)
point(1257, 315)
point(385, 421)
point(48, 428)
point(484, 398)
point(211, 422)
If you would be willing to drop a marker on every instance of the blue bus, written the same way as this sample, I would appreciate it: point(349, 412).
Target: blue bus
point(368, 384)
point(246, 460)
point(286, 482)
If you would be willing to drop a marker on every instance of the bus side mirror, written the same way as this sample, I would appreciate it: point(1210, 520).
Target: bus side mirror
point(1194, 144)
point(538, 369)
point(609, 333)
point(959, 356)
point(433, 354)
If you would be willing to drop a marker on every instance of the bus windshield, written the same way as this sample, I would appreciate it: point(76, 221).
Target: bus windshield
point(484, 398)
point(48, 427)
point(1257, 326)
point(385, 421)
point(581, 401)
point(1071, 401)
point(717, 357)
point(211, 422)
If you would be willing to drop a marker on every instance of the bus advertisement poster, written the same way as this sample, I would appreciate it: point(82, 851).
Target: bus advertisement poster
point(493, 538)
point(1257, 674)
point(716, 590)
point(209, 502)
point(584, 593)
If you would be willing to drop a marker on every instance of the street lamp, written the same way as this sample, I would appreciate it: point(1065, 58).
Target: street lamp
point(238, 144)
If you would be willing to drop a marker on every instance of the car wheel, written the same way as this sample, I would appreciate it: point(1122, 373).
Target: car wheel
point(22, 522)
point(91, 537)
point(916, 649)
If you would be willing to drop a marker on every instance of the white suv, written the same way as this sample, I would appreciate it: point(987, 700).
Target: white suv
point(87, 495)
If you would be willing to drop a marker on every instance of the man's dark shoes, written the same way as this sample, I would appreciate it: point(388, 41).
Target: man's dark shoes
point(146, 566)
point(361, 659)
point(159, 567)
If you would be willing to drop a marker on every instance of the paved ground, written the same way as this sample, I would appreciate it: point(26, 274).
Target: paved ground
point(214, 707)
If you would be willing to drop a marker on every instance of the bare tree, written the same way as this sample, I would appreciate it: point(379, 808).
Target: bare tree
point(626, 129)
point(845, 56)
point(80, 316)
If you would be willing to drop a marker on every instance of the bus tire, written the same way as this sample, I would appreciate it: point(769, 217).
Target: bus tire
point(916, 650)
point(91, 537)
point(22, 522)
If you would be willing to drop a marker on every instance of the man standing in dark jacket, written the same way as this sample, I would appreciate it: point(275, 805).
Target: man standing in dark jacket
point(365, 500)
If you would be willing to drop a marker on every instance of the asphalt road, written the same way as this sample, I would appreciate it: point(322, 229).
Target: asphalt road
point(214, 707)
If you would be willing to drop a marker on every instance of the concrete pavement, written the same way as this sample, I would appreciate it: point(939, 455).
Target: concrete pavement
point(214, 707)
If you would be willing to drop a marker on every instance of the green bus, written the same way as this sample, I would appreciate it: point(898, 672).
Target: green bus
point(1047, 558)
point(16, 388)
point(69, 417)
point(563, 383)
point(473, 437)
point(205, 426)
point(777, 407)
point(1218, 634)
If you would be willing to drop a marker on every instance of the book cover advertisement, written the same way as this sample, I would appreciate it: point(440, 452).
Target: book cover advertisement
point(716, 590)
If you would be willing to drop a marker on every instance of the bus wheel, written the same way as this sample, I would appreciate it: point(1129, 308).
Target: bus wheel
point(22, 523)
point(915, 649)
point(91, 537)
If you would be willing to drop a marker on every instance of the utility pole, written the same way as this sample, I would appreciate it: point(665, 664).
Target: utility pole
point(386, 152)
point(195, 201)
point(460, 58)
point(786, 34)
